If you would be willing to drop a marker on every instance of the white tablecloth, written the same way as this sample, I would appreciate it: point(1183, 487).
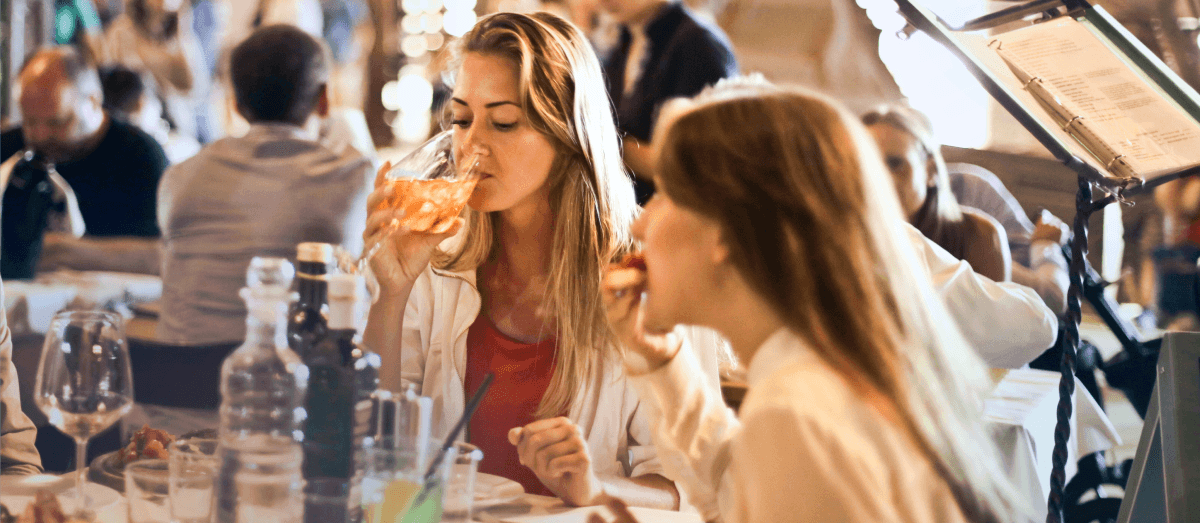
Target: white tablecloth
point(1022, 411)
point(30, 304)
point(541, 509)
point(529, 509)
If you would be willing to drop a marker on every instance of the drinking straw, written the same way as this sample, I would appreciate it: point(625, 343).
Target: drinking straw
point(427, 485)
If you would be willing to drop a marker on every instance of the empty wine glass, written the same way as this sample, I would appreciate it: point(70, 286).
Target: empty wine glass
point(84, 381)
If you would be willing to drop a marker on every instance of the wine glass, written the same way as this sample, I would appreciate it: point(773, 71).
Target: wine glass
point(430, 186)
point(84, 380)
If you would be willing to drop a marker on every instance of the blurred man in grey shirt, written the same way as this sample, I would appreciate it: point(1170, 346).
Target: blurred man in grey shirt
point(258, 195)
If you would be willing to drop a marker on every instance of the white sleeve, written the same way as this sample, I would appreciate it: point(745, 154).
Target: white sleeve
point(692, 428)
point(1008, 324)
point(415, 338)
point(1046, 274)
point(786, 467)
point(642, 456)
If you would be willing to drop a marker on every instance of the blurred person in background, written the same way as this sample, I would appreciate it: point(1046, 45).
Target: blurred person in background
point(345, 123)
point(517, 292)
point(923, 186)
point(1170, 267)
point(259, 194)
point(787, 238)
point(110, 168)
point(1035, 246)
point(18, 455)
point(664, 51)
point(133, 98)
point(157, 36)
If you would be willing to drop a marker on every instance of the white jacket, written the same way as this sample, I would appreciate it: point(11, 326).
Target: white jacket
point(440, 311)
point(804, 447)
point(1008, 324)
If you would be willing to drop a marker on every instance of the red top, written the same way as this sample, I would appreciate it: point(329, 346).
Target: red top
point(523, 372)
point(1192, 233)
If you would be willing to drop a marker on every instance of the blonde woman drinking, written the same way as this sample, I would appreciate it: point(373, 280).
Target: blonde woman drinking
point(518, 292)
point(786, 237)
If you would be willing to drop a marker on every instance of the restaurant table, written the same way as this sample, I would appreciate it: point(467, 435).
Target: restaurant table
point(1022, 412)
point(529, 508)
point(30, 305)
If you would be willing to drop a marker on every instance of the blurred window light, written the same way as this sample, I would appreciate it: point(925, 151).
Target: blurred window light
point(432, 23)
point(416, 93)
point(458, 22)
point(413, 46)
point(411, 6)
point(413, 69)
point(460, 5)
point(435, 41)
point(411, 127)
point(435, 6)
point(411, 23)
point(391, 96)
point(933, 80)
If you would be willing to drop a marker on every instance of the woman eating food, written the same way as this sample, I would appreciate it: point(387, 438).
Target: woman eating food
point(786, 237)
point(517, 291)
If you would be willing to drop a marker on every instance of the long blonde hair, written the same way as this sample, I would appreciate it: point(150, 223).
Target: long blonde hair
point(562, 92)
point(940, 217)
point(810, 216)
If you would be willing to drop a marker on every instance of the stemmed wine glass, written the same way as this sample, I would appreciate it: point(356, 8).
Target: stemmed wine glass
point(84, 381)
point(430, 185)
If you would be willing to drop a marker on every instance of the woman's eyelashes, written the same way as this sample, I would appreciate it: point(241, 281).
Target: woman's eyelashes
point(463, 123)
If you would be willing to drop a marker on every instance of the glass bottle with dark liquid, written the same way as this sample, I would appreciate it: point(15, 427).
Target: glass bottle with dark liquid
point(307, 316)
point(342, 375)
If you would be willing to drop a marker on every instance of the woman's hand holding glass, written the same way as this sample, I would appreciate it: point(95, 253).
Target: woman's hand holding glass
point(402, 252)
point(646, 348)
point(555, 450)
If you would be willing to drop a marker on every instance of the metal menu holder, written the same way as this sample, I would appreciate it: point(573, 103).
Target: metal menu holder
point(1169, 445)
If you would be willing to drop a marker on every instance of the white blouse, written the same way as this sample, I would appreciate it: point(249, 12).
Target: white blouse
point(441, 308)
point(805, 448)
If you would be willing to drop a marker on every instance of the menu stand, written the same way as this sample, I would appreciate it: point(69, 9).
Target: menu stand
point(1114, 188)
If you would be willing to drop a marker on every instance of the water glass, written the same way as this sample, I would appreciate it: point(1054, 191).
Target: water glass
point(393, 480)
point(458, 497)
point(193, 466)
point(146, 489)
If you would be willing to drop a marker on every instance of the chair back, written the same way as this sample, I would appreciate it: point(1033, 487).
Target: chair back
point(172, 375)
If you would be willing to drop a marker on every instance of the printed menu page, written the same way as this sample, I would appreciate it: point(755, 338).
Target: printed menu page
point(1078, 74)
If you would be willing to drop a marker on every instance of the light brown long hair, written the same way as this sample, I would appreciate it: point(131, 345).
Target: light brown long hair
point(562, 92)
point(940, 217)
point(809, 213)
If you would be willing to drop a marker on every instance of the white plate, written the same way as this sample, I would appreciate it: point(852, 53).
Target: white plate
point(18, 492)
point(494, 490)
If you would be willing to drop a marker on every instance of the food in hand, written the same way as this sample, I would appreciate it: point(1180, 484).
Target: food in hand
point(45, 509)
point(629, 272)
point(146, 443)
point(634, 260)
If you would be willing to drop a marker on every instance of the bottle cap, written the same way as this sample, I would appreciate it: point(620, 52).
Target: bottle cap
point(346, 286)
point(314, 252)
point(272, 272)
